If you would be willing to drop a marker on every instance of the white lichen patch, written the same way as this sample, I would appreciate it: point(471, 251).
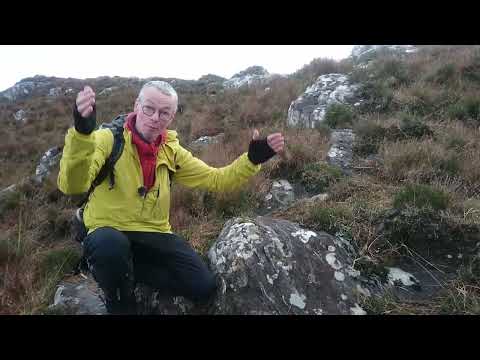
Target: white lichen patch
point(343, 297)
point(298, 300)
point(339, 276)
point(331, 248)
point(240, 244)
point(357, 310)
point(396, 275)
point(270, 280)
point(318, 311)
point(335, 152)
point(352, 272)
point(332, 261)
point(304, 235)
point(282, 184)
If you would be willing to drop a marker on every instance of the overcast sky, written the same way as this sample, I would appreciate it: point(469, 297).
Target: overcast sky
point(180, 61)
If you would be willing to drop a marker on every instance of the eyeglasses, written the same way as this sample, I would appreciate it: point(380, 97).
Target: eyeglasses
point(149, 111)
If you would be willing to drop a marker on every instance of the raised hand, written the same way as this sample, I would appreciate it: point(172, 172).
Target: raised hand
point(85, 101)
point(84, 112)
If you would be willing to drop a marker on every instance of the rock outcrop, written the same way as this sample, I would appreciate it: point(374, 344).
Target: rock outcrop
point(281, 194)
point(47, 163)
point(341, 150)
point(309, 110)
point(362, 54)
point(253, 75)
point(207, 140)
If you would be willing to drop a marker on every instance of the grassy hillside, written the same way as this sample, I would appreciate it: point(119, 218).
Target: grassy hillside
point(417, 161)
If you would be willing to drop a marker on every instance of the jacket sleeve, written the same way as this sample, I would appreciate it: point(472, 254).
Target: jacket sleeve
point(195, 173)
point(82, 158)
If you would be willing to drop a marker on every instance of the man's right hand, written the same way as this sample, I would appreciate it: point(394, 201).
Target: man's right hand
point(84, 112)
point(85, 101)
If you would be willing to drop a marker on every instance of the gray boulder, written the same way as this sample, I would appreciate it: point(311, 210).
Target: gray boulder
point(21, 116)
point(271, 266)
point(78, 296)
point(309, 109)
point(207, 140)
point(341, 150)
point(49, 160)
point(280, 195)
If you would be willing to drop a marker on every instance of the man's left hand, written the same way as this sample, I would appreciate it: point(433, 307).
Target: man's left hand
point(276, 141)
point(261, 150)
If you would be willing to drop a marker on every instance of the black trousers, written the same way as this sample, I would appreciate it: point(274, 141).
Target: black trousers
point(166, 262)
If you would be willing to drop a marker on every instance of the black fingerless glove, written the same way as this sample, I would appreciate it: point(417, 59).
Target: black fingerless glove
point(259, 151)
point(84, 125)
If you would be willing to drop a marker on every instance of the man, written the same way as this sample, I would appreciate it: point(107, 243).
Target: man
point(129, 235)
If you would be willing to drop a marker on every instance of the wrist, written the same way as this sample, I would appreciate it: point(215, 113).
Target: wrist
point(84, 125)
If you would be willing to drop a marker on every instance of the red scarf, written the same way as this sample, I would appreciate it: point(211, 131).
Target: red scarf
point(146, 151)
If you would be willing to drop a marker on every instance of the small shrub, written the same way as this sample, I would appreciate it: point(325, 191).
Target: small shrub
point(377, 96)
point(470, 272)
point(230, 204)
point(369, 135)
point(392, 68)
point(330, 220)
point(318, 177)
point(323, 129)
point(413, 127)
point(291, 169)
point(57, 262)
point(456, 143)
point(466, 109)
point(471, 210)
point(421, 229)
point(471, 72)
point(10, 202)
point(338, 115)
point(418, 195)
point(5, 249)
point(445, 74)
point(449, 165)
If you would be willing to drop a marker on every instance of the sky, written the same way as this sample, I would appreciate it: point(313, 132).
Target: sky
point(188, 62)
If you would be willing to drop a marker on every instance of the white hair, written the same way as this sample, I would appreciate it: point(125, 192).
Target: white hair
point(164, 87)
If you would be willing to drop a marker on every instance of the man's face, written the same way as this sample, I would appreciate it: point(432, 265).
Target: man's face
point(154, 113)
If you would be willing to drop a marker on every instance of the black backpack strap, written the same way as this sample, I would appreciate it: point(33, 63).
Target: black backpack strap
point(116, 127)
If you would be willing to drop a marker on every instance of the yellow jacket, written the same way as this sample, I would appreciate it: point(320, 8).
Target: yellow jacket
point(122, 207)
